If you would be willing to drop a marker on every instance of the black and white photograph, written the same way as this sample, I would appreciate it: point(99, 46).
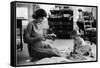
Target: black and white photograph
point(48, 33)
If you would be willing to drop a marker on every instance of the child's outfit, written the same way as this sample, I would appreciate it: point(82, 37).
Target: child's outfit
point(81, 48)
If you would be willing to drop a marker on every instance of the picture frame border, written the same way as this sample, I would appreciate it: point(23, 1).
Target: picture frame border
point(13, 61)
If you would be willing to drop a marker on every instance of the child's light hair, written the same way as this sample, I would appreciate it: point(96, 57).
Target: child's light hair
point(75, 33)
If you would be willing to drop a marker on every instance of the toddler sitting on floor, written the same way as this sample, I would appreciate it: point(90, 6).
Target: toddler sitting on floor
point(81, 48)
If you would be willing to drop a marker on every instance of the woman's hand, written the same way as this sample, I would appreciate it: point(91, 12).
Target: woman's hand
point(50, 36)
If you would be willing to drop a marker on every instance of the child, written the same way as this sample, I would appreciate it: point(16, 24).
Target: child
point(81, 48)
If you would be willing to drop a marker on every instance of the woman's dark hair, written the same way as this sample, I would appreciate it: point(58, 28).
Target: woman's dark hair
point(39, 13)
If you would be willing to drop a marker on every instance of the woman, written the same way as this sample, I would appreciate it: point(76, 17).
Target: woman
point(33, 36)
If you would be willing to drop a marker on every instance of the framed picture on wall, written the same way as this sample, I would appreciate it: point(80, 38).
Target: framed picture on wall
point(51, 33)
